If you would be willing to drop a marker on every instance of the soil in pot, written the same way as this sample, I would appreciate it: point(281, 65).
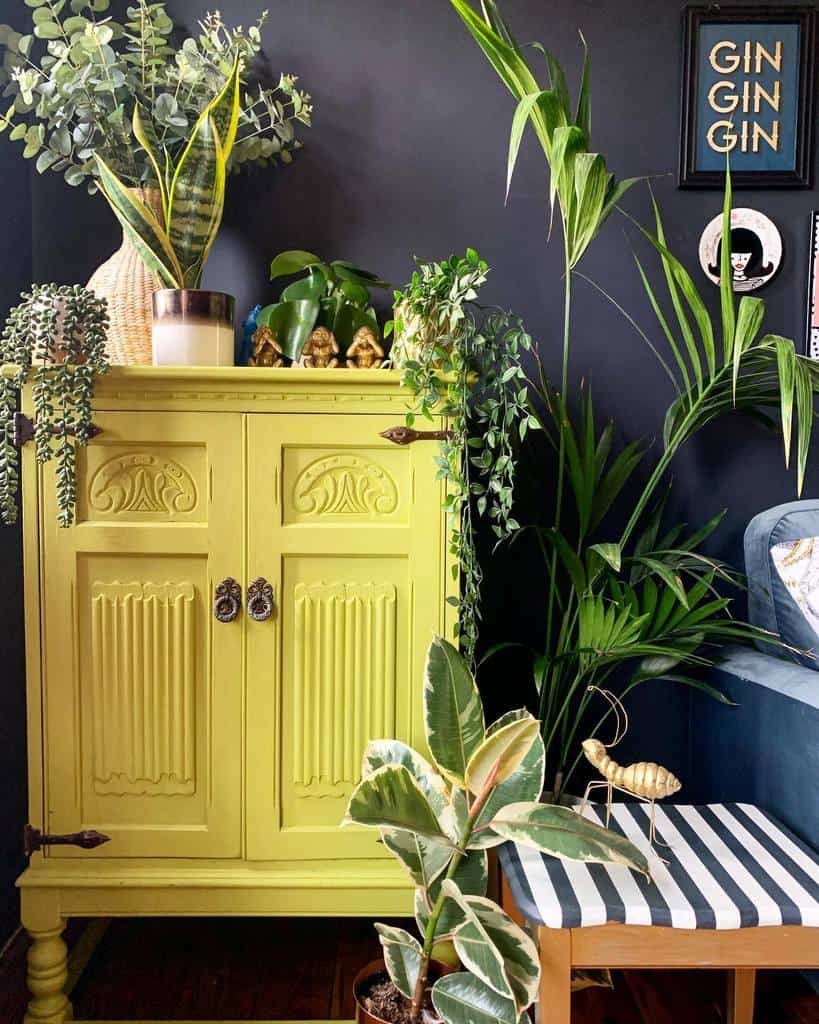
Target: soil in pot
point(382, 1001)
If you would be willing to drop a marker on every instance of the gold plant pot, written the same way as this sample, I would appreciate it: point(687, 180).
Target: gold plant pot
point(127, 285)
point(192, 327)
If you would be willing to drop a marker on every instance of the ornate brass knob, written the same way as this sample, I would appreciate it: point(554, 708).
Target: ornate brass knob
point(260, 599)
point(227, 600)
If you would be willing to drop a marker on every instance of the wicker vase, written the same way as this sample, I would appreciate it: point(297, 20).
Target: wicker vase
point(127, 284)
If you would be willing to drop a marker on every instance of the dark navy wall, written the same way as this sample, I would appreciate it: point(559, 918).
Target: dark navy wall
point(15, 260)
point(408, 155)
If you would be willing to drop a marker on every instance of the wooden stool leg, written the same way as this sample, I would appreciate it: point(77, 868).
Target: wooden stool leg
point(741, 986)
point(555, 975)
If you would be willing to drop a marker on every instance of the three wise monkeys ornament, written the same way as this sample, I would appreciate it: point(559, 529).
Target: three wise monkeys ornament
point(756, 249)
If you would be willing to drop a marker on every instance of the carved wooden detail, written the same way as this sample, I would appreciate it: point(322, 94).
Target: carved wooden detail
point(143, 682)
point(343, 681)
point(345, 484)
point(140, 482)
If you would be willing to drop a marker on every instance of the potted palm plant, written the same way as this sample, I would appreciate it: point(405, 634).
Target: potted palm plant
point(439, 818)
point(73, 81)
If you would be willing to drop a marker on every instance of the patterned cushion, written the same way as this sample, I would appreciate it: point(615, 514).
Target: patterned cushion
point(775, 602)
point(797, 562)
point(723, 866)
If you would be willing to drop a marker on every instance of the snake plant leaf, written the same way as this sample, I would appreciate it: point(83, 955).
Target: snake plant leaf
point(474, 945)
point(391, 798)
point(142, 227)
point(485, 924)
point(293, 261)
point(501, 754)
point(562, 832)
point(402, 955)
point(197, 193)
point(291, 322)
point(524, 784)
point(463, 998)
point(453, 711)
point(146, 136)
point(471, 876)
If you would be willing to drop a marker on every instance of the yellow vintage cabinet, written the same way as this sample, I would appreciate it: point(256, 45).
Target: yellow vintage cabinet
point(216, 754)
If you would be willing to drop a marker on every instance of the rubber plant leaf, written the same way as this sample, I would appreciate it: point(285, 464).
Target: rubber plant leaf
point(142, 227)
point(453, 712)
point(471, 876)
point(489, 937)
point(463, 998)
point(562, 832)
point(402, 955)
point(391, 798)
point(291, 322)
point(196, 198)
point(501, 754)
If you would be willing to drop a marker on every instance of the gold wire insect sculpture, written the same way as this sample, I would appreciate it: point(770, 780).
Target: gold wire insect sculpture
point(645, 779)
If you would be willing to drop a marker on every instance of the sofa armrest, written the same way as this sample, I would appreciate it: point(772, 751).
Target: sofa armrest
point(765, 750)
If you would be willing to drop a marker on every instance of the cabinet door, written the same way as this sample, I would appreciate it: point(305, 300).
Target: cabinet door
point(143, 687)
point(349, 530)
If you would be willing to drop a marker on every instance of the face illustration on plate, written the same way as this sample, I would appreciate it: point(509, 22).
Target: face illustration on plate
point(756, 249)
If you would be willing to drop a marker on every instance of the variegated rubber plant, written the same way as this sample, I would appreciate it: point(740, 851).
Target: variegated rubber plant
point(176, 244)
point(440, 818)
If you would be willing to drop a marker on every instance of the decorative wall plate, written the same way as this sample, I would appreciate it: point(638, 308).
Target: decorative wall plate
point(756, 249)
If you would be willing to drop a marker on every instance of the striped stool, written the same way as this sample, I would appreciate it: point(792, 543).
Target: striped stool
point(737, 890)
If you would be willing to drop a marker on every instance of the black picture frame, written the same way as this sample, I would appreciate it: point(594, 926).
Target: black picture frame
point(800, 176)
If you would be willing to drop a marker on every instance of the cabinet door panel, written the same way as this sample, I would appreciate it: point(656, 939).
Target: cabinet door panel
point(143, 691)
point(349, 529)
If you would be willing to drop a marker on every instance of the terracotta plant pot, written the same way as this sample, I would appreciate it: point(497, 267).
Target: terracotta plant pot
point(376, 967)
point(192, 327)
point(126, 284)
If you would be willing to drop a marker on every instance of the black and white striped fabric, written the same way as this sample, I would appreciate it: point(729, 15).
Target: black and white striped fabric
point(728, 866)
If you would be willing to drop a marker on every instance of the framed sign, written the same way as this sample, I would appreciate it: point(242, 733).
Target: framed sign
point(748, 84)
point(812, 328)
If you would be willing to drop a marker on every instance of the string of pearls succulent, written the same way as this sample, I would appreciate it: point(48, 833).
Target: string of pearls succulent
point(54, 339)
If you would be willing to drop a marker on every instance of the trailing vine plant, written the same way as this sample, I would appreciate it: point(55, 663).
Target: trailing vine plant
point(462, 361)
point(55, 338)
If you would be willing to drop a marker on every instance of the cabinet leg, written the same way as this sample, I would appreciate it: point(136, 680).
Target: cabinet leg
point(47, 972)
point(741, 987)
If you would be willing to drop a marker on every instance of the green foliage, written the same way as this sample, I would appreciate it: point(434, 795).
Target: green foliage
point(642, 602)
point(334, 295)
point(73, 83)
point(586, 191)
point(176, 243)
point(434, 818)
point(55, 338)
point(463, 361)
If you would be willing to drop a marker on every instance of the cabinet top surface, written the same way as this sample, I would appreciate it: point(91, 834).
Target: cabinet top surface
point(245, 387)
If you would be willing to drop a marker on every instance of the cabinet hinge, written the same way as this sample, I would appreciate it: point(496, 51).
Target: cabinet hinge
point(34, 839)
point(23, 429)
point(407, 435)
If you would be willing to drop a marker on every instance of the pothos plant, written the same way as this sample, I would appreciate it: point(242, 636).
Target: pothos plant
point(54, 338)
point(463, 361)
point(440, 818)
point(75, 78)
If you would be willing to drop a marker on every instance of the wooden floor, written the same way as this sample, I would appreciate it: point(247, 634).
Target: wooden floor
point(268, 969)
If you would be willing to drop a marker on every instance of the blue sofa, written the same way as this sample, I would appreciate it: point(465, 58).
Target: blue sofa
point(766, 750)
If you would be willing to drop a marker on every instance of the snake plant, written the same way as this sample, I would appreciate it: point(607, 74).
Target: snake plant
point(175, 244)
point(440, 818)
